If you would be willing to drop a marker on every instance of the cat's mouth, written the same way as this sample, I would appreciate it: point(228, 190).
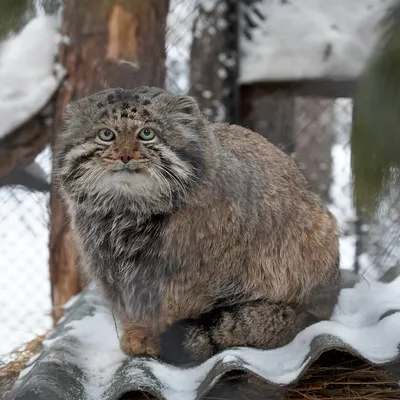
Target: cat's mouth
point(131, 166)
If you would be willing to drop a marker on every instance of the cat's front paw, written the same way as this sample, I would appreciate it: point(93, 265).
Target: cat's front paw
point(139, 341)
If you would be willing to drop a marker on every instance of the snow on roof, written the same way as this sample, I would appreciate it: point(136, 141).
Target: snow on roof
point(81, 358)
point(29, 75)
point(308, 39)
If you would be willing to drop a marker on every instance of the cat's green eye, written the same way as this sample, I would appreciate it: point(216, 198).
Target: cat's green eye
point(147, 134)
point(106, 135)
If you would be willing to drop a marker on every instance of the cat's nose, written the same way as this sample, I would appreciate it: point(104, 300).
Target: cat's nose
point(125, 157)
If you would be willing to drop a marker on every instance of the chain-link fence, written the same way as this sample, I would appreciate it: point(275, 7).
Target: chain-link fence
point(322, 144)
point(323, 153)
point(368, 246)
point(25, 304)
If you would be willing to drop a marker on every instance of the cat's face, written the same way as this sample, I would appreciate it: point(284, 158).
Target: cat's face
point(144, 147)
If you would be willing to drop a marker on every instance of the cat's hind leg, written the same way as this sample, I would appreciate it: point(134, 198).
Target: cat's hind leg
point(256, 324)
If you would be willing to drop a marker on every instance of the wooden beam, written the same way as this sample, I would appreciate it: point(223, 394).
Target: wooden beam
point(310, 87)
point(113, 43)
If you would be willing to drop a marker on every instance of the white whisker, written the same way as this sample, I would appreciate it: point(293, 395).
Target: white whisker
point(175, 178)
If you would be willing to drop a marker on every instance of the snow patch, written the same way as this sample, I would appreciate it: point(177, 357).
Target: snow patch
point(178, 43)
point(33, 359)
point(28, 73)
point(98, 353)
point(377, 344)
point(100, 346)
point(207, 94)
point(309, 39)
point(229, 358)
point(71, 302)
point(25, 371)
point(222, 73)
point(341, 190)
point(207, 5)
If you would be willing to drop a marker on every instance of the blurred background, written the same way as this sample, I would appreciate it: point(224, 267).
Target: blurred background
point(318, 81)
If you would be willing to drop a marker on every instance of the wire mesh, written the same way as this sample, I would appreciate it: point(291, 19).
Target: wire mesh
point(25, 302)
point(322, 137)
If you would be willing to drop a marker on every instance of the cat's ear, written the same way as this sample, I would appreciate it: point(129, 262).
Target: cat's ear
point(78, 108)
point(187, 105)
point(72, 109)
point(69, 115)
point(69, 110)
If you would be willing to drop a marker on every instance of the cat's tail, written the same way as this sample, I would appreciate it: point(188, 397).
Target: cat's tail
point(256, 324)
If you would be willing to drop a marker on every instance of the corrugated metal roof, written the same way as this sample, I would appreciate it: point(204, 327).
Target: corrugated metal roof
point(81, 358)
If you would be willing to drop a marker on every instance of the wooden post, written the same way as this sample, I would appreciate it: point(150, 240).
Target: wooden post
point(213, 60)
point(269, 110)
point(113, 43)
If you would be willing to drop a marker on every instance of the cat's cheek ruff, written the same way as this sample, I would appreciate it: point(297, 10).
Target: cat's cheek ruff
point(134, 192)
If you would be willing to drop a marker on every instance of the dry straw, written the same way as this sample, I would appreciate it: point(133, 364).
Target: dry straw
point(19, 358)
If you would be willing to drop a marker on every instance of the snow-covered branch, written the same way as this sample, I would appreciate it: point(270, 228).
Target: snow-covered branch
point(29, 78)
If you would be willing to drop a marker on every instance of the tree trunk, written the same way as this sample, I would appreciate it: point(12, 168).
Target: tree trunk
point(269, 111)
point(213, 60)
point(19, 148)
point(113, 43)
